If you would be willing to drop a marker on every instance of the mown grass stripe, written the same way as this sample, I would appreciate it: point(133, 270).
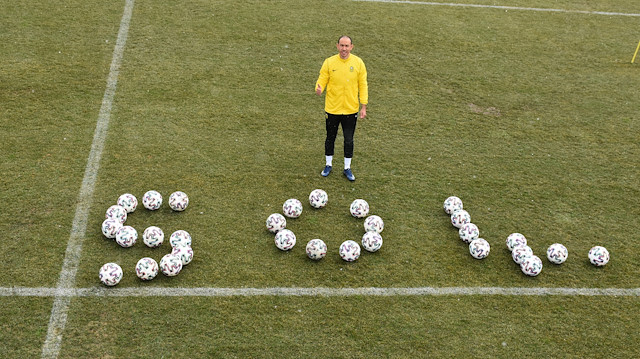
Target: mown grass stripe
point(501, 7)
point(67, 279)
point(313, 292)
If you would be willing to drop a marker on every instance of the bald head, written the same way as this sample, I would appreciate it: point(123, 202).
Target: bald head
point(345, 37)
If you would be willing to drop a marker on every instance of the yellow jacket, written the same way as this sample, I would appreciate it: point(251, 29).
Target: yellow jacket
point(344, 80)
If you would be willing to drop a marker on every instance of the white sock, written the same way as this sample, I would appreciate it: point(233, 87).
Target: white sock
point(329, 160)
point(347, 163)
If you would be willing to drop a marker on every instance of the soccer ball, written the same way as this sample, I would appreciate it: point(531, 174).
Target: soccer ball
point(373, 224)
point(110, 227)
point(349, 250)
point(460, 218)
point(520, 253)
point(116, 212)
point(180, 237)
point(452, 204)
point(318, 198)
point(178, 201)
point(147, 268)
point(531, 266)
point(557, 253)
point(372, 241)
point(359, 208)
point(468, 232)
point(170, 265)
point(126, 236)
point(276, 222)
point(479, 248)
point(292, 208)
point(285, 240)
point(153, 237)
point(110, 274)
point(128, 201)
point(515, 239)
point(152, 200)
point(185, 253)
point(316, 249)
point(598, 256)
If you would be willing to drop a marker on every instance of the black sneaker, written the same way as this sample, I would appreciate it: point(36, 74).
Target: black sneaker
point(349, 175)
point(326, 171)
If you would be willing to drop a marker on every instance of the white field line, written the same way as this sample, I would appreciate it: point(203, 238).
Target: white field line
point(504, 7)
point(313, 292)
point(67, 279)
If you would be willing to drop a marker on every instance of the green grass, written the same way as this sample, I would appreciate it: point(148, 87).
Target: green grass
point(355, 327)
point(23, 326)
point(530, 117)
point(52, 78)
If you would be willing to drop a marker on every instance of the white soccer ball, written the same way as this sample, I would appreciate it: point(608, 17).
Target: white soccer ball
point(557, 253)
point(276, 222)
point(128, 201)
point(116, 212)
point(349, 250)
point(292, 208)
point(460, 218)
point(178, 201)
point(152, 200)
point(185, 253)
point(170, 265)
point(316, 249)
point(147, 268)
point(373, 224)
point(180, 237)
point(318, 198)
point(531, 266)
point(515, 239)
point(452, 204)
point(520, 253)
point(468, 232)
point(110, 274)
point(126, 236)
point(285, 240)
point(110, 227)
point(153, 237)
point(479, 248)
point(598, 256)
point(372, 241)
point(359, 208)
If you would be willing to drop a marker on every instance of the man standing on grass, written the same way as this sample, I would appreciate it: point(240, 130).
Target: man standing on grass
point(344, 76)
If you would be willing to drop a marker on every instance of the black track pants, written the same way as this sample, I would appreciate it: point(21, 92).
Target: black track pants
point(348, 123)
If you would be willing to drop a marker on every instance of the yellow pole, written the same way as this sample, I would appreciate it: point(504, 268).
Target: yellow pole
point(634, 55)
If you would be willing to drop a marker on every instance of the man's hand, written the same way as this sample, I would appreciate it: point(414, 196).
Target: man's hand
point(319, 90)
point(363, 111)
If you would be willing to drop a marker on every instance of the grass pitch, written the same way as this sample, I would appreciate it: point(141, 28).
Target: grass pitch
point(530, 117)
